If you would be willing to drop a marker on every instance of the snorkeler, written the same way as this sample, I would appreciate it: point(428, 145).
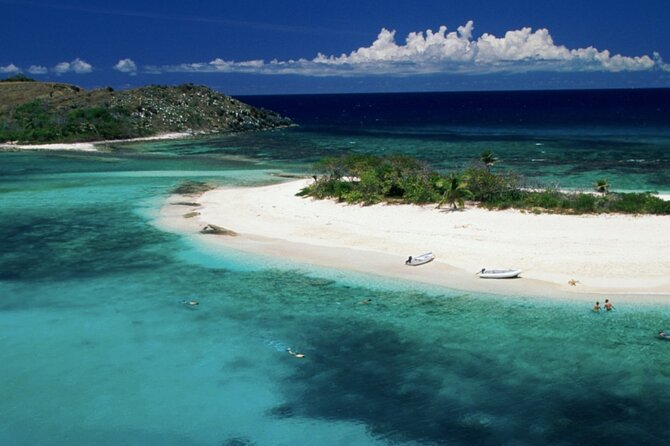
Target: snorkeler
point(292, 353)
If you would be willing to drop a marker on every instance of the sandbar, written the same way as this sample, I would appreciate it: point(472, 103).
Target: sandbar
point(623, 257)
point(91, 146)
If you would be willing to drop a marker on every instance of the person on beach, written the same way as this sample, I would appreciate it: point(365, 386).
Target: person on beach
point(608, 305)
point(596, 307)
point(409, 260)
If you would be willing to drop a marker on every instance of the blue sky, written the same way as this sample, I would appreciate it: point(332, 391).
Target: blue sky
point(268, 47)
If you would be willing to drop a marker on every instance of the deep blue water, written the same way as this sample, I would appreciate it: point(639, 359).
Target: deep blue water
point(645, 109)
point(97, 348)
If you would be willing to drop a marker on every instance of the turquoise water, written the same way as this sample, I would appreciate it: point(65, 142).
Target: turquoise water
point(98, 349)
point(631, 160)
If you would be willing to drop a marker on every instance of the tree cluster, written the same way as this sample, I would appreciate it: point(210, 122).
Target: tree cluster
point(368, 179)
point(17, 78)
point(37, 122)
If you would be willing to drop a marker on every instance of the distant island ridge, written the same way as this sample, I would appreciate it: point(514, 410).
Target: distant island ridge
point(43, 112)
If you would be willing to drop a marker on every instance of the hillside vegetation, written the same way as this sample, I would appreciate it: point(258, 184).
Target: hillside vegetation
point(39, 112)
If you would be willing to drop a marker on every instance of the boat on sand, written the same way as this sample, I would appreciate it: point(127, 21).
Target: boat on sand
point(420, 260)
point(498, 273)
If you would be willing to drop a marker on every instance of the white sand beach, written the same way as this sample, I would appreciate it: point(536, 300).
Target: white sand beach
point(90, 146)
point(618, 256)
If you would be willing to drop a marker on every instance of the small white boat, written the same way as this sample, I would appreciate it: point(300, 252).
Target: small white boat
point(498, 273)
point(420, 260)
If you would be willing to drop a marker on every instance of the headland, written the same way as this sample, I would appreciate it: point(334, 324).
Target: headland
point(36, 115)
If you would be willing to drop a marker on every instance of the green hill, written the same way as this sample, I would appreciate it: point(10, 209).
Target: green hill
point(39, 112)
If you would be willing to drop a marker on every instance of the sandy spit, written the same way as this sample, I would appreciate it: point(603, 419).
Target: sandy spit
point(89, 146)
point(622, 257)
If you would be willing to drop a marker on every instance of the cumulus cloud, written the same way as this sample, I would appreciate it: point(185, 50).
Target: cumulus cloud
point(429, 52)
point(126, 66)
point(659, 62)
point(37, 69)
point(10, 69)
point(77, 66)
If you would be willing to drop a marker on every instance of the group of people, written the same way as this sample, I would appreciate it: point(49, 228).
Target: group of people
point(608, 306)
point(663, 334)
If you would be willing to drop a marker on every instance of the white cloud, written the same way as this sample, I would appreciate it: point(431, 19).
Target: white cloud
point(126, 66)
point(10, 69)
point(37, 69)
point(62, 67)
point(659, 62)
point(80, 67)
point(430, 52)
point(76, 66)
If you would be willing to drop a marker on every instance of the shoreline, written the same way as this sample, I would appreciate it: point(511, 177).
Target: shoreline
point(91, 146)
point(617, 256)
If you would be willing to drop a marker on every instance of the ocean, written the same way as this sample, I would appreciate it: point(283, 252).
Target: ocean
point(566, 139)
point(98, 348)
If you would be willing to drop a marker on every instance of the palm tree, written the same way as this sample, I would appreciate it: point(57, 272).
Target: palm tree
point(488, 158)
point(602, 186)
point(455, 190)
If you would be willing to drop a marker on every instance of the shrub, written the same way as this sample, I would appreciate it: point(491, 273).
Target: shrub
point(20, 77)
point(402, 179)
point(583, 203)
point(489, 187)
point(638, 203)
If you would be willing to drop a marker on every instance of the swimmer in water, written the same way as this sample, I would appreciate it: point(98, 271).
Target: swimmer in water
point(292, 353)
point(190, 303)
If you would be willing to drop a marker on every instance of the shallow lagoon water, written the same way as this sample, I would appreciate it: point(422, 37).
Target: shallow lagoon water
point(98, 349)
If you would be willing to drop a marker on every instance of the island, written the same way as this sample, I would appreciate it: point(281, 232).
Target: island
point(367, 214)
point(44, 112)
